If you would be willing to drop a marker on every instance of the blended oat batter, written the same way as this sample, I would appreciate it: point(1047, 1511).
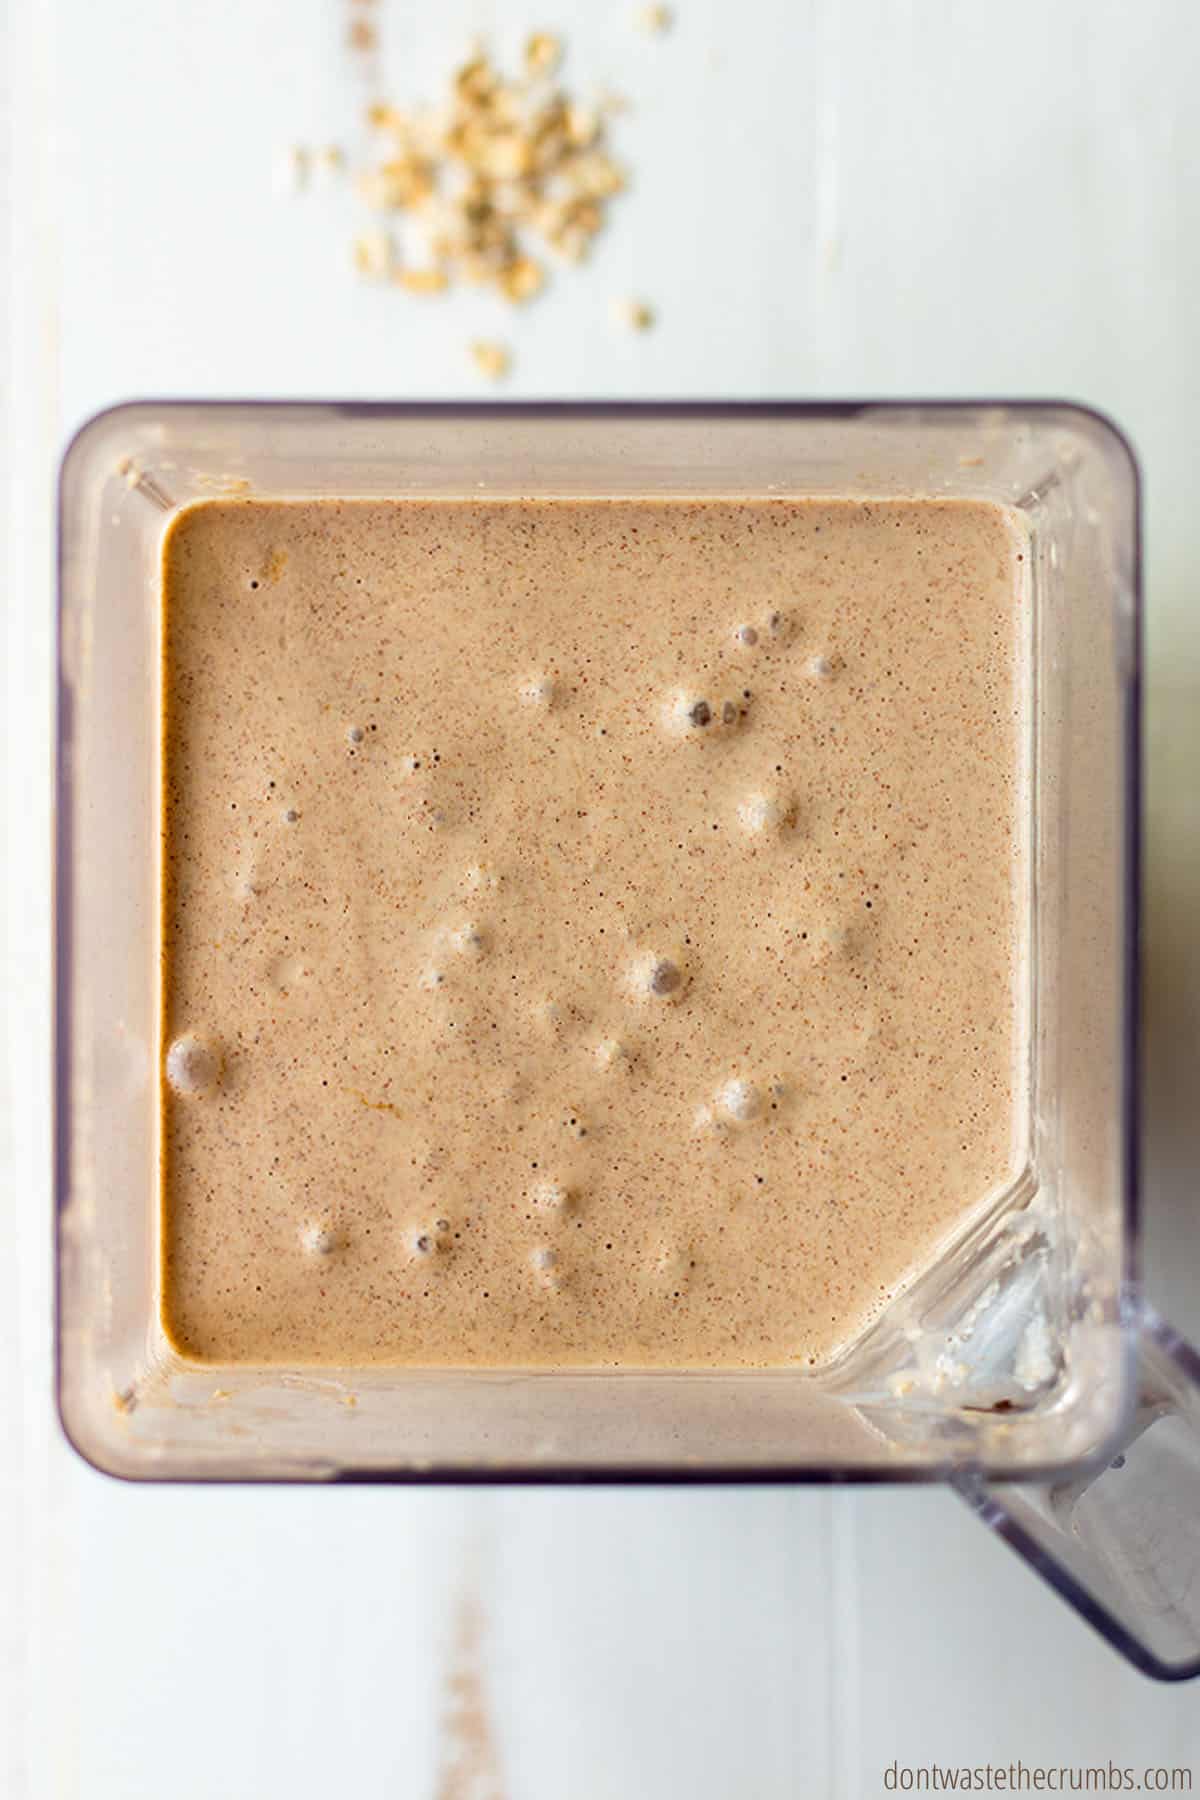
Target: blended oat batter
point(591, 928)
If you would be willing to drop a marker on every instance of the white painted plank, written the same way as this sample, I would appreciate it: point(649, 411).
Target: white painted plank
point(966, 1658)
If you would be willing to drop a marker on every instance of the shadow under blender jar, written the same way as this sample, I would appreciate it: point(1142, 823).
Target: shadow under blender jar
point(1085, 1455)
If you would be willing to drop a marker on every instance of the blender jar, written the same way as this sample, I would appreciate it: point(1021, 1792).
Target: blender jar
point(1021, 1366)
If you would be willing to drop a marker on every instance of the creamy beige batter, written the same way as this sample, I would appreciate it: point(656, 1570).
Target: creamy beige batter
point(591, 928)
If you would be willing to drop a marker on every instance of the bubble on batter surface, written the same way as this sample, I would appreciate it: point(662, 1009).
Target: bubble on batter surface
point(670, 1266)
point(321, 1237)
point(432, 979)
point(614, 1056)
point(760, 814)
point(687, 714)
point(427, 1240)
point(469, 939)
point(739, 1100)
point(550, 1196)
point(289, 815)
point(548, 1015)
point(654, 977)
point(539, 692)
point(746, 635)
point(818, 668)
point(544, 1262)
point(193, 1066)
point(355, 734)
point(827, 941)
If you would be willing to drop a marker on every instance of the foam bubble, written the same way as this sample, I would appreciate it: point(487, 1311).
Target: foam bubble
point(739, 1100)
point(746, 634)
point(550, 1196)
point(818, 668)
point(670, 1265)
point(612, 1055)
point(318, 1237)
point(355, 734)
point(828, 941)
point(539, 692)
point(656, 978)
point(427, 1240)
point(283, 973)
point(193, 1066)
point(760, 813)
point(687, 713)
point(548, 1015)
point(469, 940)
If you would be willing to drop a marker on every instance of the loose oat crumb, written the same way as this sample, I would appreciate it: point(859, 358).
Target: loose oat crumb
point(330, 159)
point(292, 169)
point(636, 314)
point(583, 125)
point(373, 254)
point(422, 281)
point(522, 279)
point(654, 18)
point(492, 360)
point(543, 53)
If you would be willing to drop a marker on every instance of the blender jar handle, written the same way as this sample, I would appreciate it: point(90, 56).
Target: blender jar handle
point(1122, 1545)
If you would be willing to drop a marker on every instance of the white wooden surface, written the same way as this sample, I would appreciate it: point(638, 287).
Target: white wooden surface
point(872, 197)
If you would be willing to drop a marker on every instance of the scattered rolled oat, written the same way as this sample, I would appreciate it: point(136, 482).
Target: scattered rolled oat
point(491, 360)
point(543, 53)
point(505, 168)
point(330, 160)
point(522, 279)
point(633, 313)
